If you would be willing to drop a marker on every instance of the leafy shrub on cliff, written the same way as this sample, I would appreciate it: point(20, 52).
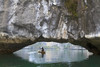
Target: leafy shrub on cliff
point(72, 7)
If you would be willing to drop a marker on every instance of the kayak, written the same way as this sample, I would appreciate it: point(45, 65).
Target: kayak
point(42, 52)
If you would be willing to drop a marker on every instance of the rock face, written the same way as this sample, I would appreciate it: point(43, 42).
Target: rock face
point(24, 22)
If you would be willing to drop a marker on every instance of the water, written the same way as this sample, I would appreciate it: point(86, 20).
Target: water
point(52, 58)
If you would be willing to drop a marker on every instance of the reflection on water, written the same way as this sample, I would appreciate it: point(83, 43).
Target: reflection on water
point(53, 56)
point(14, 61)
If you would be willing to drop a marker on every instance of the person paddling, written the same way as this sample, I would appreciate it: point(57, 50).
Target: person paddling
point(42, 49)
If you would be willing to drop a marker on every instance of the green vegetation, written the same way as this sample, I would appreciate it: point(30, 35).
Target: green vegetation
point(72, 8)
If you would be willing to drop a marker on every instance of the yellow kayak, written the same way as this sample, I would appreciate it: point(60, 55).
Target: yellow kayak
point(42, 52)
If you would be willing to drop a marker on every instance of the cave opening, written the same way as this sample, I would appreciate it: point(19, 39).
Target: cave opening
point(54, 53)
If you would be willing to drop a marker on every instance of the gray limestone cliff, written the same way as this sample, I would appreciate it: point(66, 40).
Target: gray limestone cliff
point(24, 22)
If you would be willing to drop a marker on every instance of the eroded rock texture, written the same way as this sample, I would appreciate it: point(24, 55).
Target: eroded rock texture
point(24, 22)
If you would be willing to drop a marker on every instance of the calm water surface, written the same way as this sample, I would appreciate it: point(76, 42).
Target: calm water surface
point(52, 58)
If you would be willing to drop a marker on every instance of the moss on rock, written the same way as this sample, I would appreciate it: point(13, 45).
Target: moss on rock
point(71, 5)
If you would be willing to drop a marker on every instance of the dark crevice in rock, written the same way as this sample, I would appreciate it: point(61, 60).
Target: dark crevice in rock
point(92, 48)
point(1, 12)
point(26, 3)
point(43, 21)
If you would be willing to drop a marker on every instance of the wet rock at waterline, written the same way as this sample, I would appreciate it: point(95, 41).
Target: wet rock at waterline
point(24, 22)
